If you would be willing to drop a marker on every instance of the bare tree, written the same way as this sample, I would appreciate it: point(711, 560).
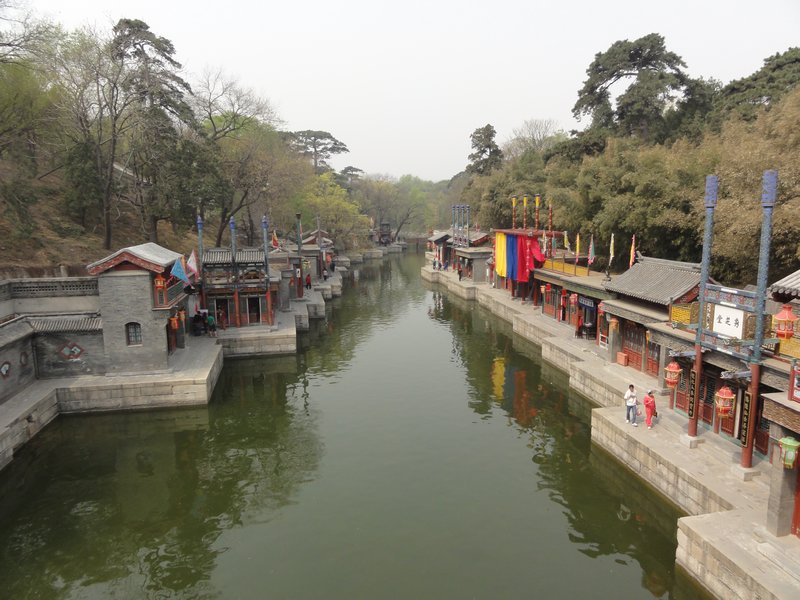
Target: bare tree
point(533, 134)
point(20, 34)
point(225, 107)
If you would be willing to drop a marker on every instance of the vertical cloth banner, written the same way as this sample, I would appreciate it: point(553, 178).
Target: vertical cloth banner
point(633, 251)
point(577, 247)
point(511, 256)
point(500, 254)
point(566, 241)
point(611, 251)
point(591, 251)
point(522, 259)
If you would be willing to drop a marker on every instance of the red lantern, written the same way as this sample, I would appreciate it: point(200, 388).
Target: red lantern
point(548, 287)
point(573, 299)
point(784, 322)
point(724, 399)
point(672, 374)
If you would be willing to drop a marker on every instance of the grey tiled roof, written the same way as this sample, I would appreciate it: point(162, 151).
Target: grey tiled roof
point(222, 256)
point(656, 280)
point(150, 252)
point(789, 285)
point(65, 323)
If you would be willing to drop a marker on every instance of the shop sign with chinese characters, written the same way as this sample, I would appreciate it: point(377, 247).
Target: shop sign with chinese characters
point(728, 321)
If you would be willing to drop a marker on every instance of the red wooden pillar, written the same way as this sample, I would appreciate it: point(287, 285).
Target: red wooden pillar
point(695, 399)
point(752, 424)
point(236, 308)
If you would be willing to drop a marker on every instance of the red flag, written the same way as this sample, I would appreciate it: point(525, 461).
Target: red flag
point(274, 240)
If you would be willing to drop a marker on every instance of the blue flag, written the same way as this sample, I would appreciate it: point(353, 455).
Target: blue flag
point(179, 270)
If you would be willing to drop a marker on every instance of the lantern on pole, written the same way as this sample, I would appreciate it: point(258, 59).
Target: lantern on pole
point(672, 374)
point(789, 447)
point(160, 288)
point(784, 322)
point(724, 399)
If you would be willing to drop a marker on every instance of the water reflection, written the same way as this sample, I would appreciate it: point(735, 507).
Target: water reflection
point(415, 448)
point(610, 512)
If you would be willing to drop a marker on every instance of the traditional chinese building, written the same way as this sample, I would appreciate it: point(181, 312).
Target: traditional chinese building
point(143, 308)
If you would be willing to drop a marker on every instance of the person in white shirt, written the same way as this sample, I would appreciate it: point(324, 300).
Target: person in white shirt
point(630, 405)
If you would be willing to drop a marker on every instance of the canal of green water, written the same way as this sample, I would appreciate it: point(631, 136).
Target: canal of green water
point(415, 448)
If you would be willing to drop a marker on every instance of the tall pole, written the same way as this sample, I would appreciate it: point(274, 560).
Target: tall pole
point(265, 235)
point(769, 191)
point(467, 236)
point(235, 267)
point(513, 212)
point(200, 260)
point(537, 199)
point(299, 257)
point(550, 226)
point(710, 203)
point(319, 245)
point(525, 211)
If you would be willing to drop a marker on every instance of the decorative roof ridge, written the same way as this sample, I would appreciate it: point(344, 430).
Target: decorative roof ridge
point(672, 264)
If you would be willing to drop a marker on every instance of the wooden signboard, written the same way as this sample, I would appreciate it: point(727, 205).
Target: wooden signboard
point(690, 392)
point(745, 423)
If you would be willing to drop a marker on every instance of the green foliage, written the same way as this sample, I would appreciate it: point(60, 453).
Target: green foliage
point(319, 146)
point(654, 75)
point(745, 97)
point(486, 154)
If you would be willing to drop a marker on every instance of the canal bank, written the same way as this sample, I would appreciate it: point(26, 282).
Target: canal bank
point(188, 378)
point(475, 478)
point(723, 543)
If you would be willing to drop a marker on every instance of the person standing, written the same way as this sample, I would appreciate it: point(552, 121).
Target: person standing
point(630, 405)
point(649, 408)
point(308, 281)
point(212, 326)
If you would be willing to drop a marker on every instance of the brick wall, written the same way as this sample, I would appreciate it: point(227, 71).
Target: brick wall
point(127, 297)
point(20, 370)
point(69, 354)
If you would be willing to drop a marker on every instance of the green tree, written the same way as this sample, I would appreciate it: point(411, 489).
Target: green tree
point(319, 146)
point(779, 75)
point(486, 154)
point(654, 77)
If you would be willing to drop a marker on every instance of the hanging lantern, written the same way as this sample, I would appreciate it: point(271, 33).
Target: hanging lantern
point(724, 399)
point(548, 287)
point(542, 289)
point(160, 282)
point(789, 447)
point(672, 374)
point(784, 322)
point(573, 299)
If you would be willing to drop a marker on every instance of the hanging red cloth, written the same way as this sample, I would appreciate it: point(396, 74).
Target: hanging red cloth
point(522, 259)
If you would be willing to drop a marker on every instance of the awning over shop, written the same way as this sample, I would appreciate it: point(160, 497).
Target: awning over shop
point(635, 312)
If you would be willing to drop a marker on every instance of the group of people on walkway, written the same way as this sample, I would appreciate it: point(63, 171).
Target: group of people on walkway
point(632, 407)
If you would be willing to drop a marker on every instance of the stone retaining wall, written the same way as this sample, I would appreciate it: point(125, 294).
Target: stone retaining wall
point(682, 488)
point(27, 425)
point(128, 394)
point(267, 344)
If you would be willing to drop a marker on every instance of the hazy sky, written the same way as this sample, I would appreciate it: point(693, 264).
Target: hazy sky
point(404, 84)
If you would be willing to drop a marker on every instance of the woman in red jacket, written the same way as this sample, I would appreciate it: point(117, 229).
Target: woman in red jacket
point(649, 408)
